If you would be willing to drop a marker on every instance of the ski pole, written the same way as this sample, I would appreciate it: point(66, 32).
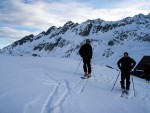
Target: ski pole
point(133, 86)
point(115, 82)
point(111, 67)
point(77, 67)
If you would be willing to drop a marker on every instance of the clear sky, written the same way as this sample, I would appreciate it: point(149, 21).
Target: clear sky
point(19, 18)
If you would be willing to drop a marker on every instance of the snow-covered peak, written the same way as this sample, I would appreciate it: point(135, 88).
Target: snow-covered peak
point(51, 29)
point(148, 15)
point(69, 23)
point(140, 18)
point(97, 21)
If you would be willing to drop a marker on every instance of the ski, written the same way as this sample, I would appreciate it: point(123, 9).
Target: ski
point(124, 94)
point(85, 77)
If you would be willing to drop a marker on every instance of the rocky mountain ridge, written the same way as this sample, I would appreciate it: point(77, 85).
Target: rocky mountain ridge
point(65, 41)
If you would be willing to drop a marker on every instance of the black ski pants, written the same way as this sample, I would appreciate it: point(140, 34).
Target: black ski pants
point(125, 75)
point(87, 65)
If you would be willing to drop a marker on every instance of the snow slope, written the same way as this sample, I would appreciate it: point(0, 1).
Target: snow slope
point(50, 85)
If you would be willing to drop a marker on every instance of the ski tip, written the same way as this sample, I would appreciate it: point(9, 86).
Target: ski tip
point(83, 77)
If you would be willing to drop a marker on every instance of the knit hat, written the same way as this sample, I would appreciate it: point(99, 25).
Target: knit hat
point(126, 53)
point(88, 40)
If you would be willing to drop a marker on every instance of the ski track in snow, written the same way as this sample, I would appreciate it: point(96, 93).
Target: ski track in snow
point(80, 86)
point(54, 101)
point(56, 98)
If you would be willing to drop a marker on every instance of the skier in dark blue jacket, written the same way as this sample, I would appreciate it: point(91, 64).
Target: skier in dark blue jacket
point(125, 64)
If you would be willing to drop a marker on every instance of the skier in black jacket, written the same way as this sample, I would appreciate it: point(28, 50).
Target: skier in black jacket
point(125, 64)
point(86, 54)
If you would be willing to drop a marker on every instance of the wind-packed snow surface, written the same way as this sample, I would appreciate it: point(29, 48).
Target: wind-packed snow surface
point(52, 85)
